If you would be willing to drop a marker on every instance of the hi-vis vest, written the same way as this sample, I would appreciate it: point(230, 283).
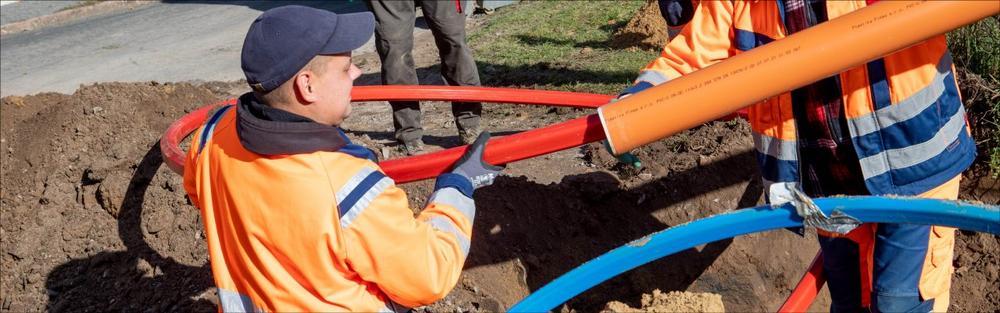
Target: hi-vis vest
point(904, 111)
point(322, 231)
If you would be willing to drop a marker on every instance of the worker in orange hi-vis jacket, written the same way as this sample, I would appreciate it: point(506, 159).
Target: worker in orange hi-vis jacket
point(296, 217)
point(893, 126)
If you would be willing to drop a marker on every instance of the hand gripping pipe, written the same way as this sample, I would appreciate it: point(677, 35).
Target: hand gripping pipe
point(763, 218)
point(499, 151)
point(782, 65)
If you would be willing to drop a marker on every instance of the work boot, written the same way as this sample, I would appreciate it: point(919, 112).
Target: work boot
point(413, 147)
point(469, 135)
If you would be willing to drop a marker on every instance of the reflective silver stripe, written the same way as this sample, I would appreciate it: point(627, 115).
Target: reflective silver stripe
point(365, 200)
point(232, 301)
point(455, 199)
point(775, 147)
point(444, 224)
point(907, 108)
point(878, 164)
point(652, 77)
point(353, 183)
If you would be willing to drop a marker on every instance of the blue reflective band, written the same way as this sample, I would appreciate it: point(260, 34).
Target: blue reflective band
point(210, 126)
point(456, 181)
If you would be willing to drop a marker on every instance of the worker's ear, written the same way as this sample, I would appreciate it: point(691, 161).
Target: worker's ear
point(305, 86)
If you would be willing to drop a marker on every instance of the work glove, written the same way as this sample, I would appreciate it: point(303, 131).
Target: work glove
point(472, 166)
point(627, 157)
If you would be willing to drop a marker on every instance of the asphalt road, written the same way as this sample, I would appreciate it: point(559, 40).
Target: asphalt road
point(165, 42)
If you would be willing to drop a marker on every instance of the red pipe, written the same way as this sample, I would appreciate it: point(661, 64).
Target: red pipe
point(173, 156)
point(511, 148)
point(809, 286)
point(502, 150)
point(479, 94)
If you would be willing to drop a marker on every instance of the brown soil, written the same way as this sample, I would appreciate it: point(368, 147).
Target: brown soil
point(674, 301)
point(646, 30)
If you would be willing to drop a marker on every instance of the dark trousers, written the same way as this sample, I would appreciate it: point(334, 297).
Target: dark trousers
point(898, 252)
point(394, 42)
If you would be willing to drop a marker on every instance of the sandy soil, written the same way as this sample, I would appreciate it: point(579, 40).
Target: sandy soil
point(674, 301)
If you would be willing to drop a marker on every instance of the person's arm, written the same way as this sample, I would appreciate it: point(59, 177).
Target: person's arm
point(415, 261)
point(705, 40)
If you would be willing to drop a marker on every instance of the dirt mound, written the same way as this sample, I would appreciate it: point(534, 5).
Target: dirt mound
point(88, 223)
point(674, 301)
point(646, 30)
point(91, 220)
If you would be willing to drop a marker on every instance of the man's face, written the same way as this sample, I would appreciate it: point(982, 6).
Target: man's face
point(334, 84)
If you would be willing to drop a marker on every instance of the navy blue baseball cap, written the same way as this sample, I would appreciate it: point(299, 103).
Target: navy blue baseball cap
point(284, 39)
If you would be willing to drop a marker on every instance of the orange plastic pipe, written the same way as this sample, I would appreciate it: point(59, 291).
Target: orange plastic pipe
point(797, 60)
point(806, 290)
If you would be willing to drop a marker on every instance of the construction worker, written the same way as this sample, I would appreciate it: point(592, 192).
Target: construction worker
point(895, 125)
point(394, 24)
point(297, 218)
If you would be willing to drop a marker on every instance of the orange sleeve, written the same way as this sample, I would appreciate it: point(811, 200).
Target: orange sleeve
point(705, 40)
point(415, 261)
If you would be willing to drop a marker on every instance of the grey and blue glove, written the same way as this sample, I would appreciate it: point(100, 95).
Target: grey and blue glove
point(472, 166)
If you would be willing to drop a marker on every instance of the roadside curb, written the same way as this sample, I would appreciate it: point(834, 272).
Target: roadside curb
point(68, 16)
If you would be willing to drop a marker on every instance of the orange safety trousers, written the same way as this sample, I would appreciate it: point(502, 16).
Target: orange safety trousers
point(924, 265)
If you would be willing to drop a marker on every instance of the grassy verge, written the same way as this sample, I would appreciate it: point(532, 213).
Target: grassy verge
point(561, 45)
point(976, 50)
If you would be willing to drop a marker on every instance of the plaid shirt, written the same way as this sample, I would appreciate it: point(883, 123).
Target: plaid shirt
point(829, 164)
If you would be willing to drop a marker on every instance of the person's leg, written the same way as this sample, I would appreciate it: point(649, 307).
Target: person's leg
point(913, 263)
point(845, 267)
point(394, 23)
point(447, 22)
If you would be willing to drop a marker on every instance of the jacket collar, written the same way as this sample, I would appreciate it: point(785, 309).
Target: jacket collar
point(269, 131)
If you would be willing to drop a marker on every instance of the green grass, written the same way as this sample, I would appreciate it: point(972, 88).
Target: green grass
point(560, 45)
point(977, 47)
point(976, 51)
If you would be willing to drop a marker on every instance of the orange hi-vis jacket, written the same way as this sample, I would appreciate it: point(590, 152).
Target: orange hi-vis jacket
point(904, 111)
point(297, 219)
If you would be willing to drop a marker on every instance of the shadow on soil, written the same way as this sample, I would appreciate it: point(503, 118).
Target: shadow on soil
point(555, 228)
point(137, 279)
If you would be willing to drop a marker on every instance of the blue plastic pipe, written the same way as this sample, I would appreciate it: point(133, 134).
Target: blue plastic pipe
point(981, 218)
